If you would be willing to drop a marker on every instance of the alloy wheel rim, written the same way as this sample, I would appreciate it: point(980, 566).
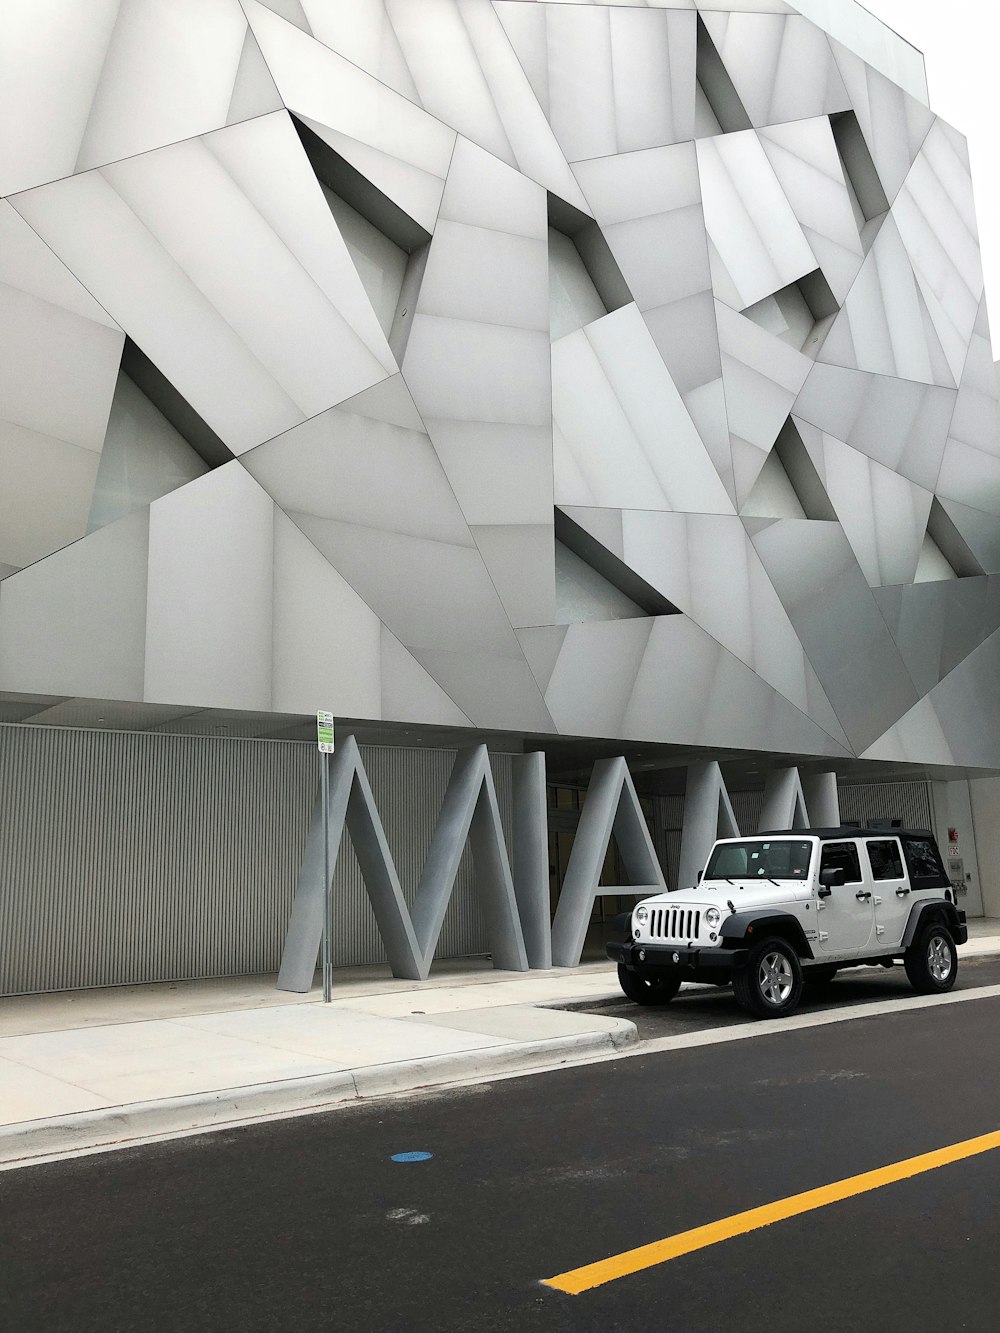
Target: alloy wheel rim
point(939, 958)
point(775, 978)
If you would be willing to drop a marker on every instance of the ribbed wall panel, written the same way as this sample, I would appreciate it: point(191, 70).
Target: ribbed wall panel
point(908, 801)
point(130, 857)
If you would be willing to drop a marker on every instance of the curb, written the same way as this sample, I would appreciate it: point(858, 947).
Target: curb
point(117, 1127)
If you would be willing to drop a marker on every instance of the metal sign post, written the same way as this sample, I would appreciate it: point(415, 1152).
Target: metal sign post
point(324, 739)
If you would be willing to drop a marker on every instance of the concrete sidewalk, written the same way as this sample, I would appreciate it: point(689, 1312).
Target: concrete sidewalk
point(92, 1069)
point(85, 1070)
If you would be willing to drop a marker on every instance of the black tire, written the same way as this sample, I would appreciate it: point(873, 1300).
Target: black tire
point(819, 976)
point(770, 985)
point(642, 988)
point(931, 961)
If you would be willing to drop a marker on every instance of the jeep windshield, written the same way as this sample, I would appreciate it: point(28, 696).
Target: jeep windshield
point(760, 858)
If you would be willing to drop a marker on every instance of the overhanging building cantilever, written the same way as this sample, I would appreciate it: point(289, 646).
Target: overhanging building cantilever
point(553, 369)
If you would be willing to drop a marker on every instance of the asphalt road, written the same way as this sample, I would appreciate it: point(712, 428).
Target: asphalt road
point(307, 1224)
point(697, 1008)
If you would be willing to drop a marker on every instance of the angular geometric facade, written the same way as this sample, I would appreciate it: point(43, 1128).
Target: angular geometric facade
point(563, 369)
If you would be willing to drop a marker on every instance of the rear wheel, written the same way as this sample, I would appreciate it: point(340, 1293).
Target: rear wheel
point(931, 961)
point(647, 987)
point(770, 985)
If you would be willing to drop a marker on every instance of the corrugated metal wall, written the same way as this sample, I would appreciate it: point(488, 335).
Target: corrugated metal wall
point(128, 857)
point(908, 801)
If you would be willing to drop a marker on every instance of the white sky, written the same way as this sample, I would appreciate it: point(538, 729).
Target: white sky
point(960, 40)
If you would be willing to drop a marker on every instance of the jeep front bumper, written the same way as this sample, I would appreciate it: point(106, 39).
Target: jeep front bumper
point(677, 957)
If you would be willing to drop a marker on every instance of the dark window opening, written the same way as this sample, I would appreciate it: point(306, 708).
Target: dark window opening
point(842, 856)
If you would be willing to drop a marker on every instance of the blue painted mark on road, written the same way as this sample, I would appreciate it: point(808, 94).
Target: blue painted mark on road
point(411, 1156)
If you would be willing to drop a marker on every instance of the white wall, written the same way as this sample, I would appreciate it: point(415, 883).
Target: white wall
point(985, 795)
point(953, 809)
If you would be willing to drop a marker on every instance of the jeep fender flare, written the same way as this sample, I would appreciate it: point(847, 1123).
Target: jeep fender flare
point(926, 913)
point(765, 921)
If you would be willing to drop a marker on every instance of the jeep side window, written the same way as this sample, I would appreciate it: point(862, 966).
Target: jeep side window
point(885, 859)
point(926, 870)
point(842, 856)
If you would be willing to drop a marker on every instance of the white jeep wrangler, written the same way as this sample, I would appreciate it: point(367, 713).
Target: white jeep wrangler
point(779, 911)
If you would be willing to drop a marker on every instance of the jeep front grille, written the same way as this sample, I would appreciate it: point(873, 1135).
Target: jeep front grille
point(674, 923)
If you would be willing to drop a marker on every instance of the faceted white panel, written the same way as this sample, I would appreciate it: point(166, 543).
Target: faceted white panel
point(970, 476)
point(893, 123)
point(610, 80)
point(712, 694)
point(359, 29)
point(757, 238)
point(936, 218)
point(409, 694)
point(978, 530)
point(782, 67)
point(666, 677)
point(393, 143)
point(917, 737)
point(976, 421)
point(493, 691)
point(209, 631)
point(521, 562)
point(59, 356)
point(45, 496)
point(649, 207)
point(698, 562)
point(900, 424)
point(762, 376)
point(74, 624)
point(883, 514)
point(327, 642)
point(805, 160)
point(837, 620)
point(143, 458)
point(542, 269)
point(486, 96)
point(188, 245)
point(373, 469)
point(937, 625)
point(622, 436)
point(592, 700)
point(97, 82)
point(477, 359)
point(957, 719)
point(885, 326)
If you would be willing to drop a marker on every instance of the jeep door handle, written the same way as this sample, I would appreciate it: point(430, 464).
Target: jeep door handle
point(901, 893)
point(862, 895)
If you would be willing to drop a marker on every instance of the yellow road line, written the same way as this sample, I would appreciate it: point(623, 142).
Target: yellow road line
point(672, 1247)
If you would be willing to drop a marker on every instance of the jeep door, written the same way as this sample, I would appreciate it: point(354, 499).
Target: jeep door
point(846, 917)
point(891, 889)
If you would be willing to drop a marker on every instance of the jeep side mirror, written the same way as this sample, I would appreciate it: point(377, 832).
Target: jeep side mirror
point(832, 876)
point(700, 874)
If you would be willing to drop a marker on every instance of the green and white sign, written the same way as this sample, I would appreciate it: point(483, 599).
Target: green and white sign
point(324, 732)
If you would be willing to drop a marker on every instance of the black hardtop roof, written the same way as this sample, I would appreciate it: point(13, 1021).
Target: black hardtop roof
point(845, 831)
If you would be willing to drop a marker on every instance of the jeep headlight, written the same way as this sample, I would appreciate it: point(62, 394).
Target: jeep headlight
point(642, 915)
point(712, 918)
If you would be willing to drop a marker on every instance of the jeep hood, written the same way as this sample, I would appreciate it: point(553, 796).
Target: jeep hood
point(744, 894)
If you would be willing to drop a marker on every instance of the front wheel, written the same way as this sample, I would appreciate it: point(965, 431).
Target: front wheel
point(647, 988)
point(931, 961)
point(770, 985)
